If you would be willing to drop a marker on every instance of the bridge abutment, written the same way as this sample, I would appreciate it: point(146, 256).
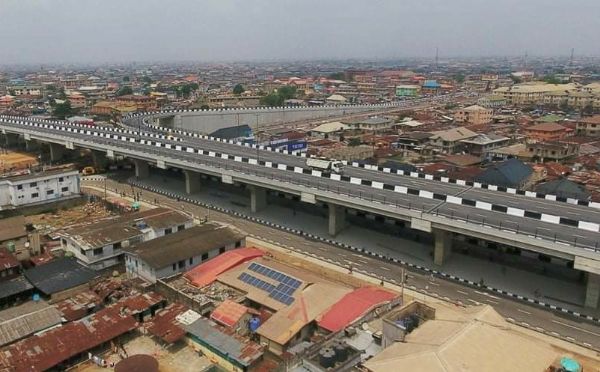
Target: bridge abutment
point(258, 198)
point(443, 246)
point(337, 219)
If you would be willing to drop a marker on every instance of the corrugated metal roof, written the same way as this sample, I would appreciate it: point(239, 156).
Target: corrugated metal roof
point(26, 324)
point(229, 313)
point(353, 306)
point(58, 275)
point(207, 272)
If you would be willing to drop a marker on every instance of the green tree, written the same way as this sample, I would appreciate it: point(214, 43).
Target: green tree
point(123, 91)
point(61, 93)
point(238, 89)
point(204, 107)
point(147, 79)
point(551, 79)
point(287, 92)
point(564, 106)
point(272, 99)
point(126, 79)
point(459, 78)
point(588, 109)
point(337, 76)
point(354, 142)
point(62, 110)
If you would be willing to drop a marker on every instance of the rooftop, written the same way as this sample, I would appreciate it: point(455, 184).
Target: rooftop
point(58, 275)
point(454, 134)
point(7, 260)
point(12, 228)
point(27, 319)
point(229, 313)
point(206, 273)
point(195, 241)
point(546, 127)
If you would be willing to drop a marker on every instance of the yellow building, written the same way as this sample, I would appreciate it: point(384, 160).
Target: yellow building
point(531, 93)
point(474, 115)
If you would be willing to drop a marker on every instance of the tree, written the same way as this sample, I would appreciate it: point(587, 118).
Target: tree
point(588, 109)
point(126, 79)
point(204, 107)
point(287, 92)
point(551, 79)
point(460, 78)
point(238, 89)
point(272, 99)
point(564, 106)
point(123, 91)
point(354, 142)
point(147, 79)
point(516, 79)
point(337, 76)
point(62, 110)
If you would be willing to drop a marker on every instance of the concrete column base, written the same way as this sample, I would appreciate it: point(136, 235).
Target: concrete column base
point(32, 145)
point(56, 152)
point(142, 169)
point(192, 182)
point(592, 291)
point(337, 219)
point(258, 198)
point(443, 246)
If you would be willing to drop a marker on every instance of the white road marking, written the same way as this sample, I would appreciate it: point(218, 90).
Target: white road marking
point(384, 268)
point(463, 292)
point(473, 301)
point(523, 311)
point(577, 328)
point(492, 302)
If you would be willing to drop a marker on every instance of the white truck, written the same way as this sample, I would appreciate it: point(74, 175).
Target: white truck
point(323, 164)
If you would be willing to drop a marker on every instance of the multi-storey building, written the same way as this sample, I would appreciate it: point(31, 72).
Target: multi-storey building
point(476, 115)
point(38, 188)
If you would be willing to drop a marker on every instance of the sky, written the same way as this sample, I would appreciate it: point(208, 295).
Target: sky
point(88, 31)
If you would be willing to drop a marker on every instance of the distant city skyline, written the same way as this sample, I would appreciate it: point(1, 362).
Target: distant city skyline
point(71, 31)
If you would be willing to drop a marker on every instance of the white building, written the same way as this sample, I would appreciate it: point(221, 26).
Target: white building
point(179, 252)
point(38, 188)
point(100, 244)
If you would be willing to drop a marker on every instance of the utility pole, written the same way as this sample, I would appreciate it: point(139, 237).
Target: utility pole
point(572, 55)
point(257, 144)
point(437, 65)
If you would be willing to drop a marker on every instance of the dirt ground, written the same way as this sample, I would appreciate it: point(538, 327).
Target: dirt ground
point(174, 359)
point(68, 217)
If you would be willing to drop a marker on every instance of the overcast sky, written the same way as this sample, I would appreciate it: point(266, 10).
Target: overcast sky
point(45, 31)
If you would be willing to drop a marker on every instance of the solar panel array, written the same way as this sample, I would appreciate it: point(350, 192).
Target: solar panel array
point(282, 292)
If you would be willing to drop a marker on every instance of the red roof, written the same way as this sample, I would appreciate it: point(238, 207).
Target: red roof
point(165, 325)
point(229, 313)
point(206, 273)
point(7, 260)
point(353, 306)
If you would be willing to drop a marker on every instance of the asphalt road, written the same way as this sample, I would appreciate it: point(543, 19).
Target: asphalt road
point(542, 319)
point(472, 215)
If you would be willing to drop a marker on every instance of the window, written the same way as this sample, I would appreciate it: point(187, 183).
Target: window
point(117, 245)
point(238, 244)
point(49, 192)
point(82, 251)
point(98, 251)
point(35, 195)
point(63, 241)
point(181, 264)
point(33, 184)
point(19, 187)
point(64, 189)
point(168, 231)
point(204, 256)
point(191, 260)
point(180, 227)
point(221, 250)
point(61, 179)
point(174, 267)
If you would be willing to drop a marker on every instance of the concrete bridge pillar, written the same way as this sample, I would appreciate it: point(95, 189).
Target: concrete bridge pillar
point(56, 152)
point(443, 246)
point(32, 145)
point(592, 291)
point(337, 219)
point(142, 169)
point(11, 139)
point(100, 159)
point(258, 198)
point(192, 182)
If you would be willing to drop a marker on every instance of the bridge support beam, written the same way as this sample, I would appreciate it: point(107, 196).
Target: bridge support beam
point(592, 291)
point(192, 182)
point(56, 152)
point(142, 169)
point(443, 246)
point(337, 218)
point(258, 198)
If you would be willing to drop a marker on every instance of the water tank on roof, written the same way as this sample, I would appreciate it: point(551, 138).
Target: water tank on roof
point(36, 297)
point(11, 247)
point(327, 357)
point(341, 351)
point(253, 324)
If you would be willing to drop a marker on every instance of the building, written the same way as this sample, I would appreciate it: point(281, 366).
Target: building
point(531, 93)
point(38, 188)
point(77, 100)
point(482, 144)
point(234, 316)
point(472, 339)
point(331, 130)
point(545, 132)
point(373, 123)
point(26, 319)
point(511, 173)
point(492, 101)
point(181, 251)
point(552, 151)
point(9, 265)
point(60, 278)
point(100, 244)
point(407, 90)
point(475, 115)
point(589, 126)
point(449, 141)
point(25, 90)
point(564, 188)
point(336, 99)
point(430, 87)
point(14, 236)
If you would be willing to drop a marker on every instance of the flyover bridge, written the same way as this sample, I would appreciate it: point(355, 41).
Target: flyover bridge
point(554, 228)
